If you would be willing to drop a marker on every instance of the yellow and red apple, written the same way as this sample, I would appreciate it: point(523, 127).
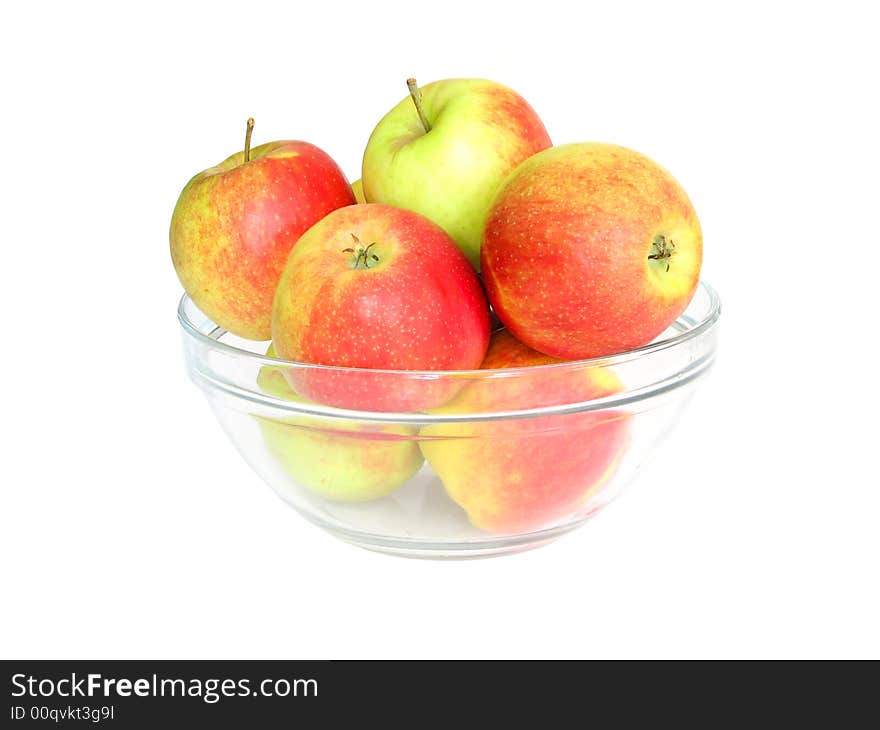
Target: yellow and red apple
point(590, 249)
point(520, 474)
point(357, 187)
point(235, 224)
point(380, 289)
point(338, 459)
point(444, 152)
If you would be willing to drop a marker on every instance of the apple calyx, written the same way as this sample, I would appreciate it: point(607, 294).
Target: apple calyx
point(662, 249)
point(247, 139)
point(416, 95)
point(362, 255)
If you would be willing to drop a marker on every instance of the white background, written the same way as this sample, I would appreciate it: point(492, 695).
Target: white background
point(129, 527)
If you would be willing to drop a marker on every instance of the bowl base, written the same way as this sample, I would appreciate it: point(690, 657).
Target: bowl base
point(425, 550)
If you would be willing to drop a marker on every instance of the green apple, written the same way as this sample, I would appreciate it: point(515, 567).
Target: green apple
point(445, 151)
point(341, 460)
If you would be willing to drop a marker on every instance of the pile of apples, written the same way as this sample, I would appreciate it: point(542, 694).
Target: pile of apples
point(464, 208)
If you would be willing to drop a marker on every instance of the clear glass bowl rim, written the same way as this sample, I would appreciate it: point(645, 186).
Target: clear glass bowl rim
point(689, 331)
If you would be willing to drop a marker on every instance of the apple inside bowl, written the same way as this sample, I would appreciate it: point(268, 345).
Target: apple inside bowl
point(511, 459)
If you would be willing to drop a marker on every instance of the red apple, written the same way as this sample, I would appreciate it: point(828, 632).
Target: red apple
point(524, 474)
point(590, 249)
point(235, 224)
point(371, 286)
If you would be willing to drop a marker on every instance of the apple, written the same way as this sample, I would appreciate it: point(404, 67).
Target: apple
point(337, 459)
point(519, 475)
point(444, 152)
point(376, 287)
point(590, 249)
point(235, 224)
point(357, 187)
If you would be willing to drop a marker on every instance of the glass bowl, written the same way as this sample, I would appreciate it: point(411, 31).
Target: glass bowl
point(450, 464)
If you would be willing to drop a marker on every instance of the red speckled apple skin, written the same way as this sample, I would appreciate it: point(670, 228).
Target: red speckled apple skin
point(235, 224)
point(413, 302)
point(569, 257)
point(519, 475)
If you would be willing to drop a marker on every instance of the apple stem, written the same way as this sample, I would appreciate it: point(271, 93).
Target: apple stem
point(362, 254)
point(662, 249)
point(247, 139)
point(416, 95)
